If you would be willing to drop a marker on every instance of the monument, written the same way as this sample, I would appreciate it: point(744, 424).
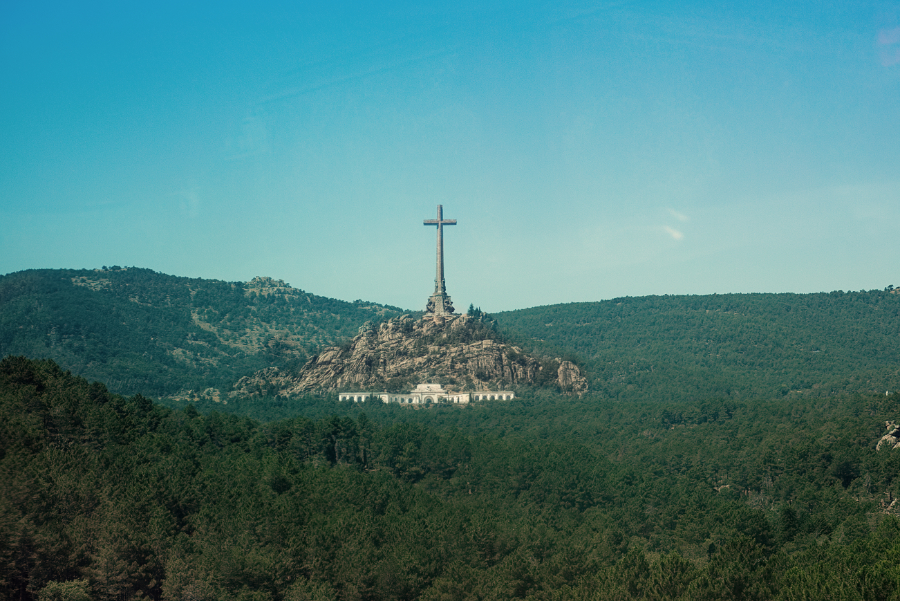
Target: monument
point(439, 309)
point(439, 305)
point(399, 349)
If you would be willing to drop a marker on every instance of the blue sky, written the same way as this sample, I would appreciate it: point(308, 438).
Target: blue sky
point(588, 150)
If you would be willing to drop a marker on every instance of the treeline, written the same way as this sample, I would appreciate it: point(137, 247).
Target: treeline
point(725, 345)
point(114, 497)
point(142, 331)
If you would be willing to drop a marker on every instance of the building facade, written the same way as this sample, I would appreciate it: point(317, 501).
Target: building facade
point(426, 394)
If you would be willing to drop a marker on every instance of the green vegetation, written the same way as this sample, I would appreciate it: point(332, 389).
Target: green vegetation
point(726, 451)
point(141, 331)
point(545, 498)
point(727, 346)
point(144, 332)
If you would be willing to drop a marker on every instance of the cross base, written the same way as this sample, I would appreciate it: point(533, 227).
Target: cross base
point(439, 305)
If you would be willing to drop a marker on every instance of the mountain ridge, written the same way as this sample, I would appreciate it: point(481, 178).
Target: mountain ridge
point(143, 331)
point(725, 345)
point(173, 337)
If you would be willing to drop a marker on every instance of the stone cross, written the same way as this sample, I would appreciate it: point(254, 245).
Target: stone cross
point(440, 222)
point(439, 303)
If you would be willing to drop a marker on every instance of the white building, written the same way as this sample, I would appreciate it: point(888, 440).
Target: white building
point(425, 394)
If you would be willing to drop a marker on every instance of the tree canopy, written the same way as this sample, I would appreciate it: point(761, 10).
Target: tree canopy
point(547, 497)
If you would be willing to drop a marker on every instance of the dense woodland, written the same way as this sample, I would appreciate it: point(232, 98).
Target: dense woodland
point(139, 331)
point(726, 450)
point(725, 345)
point(147, 332)
point(111, 497)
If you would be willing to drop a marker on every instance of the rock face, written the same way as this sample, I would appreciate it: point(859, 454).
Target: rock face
point(569, 377)
point(462, 353)
point(266, 382)
point(891, 439)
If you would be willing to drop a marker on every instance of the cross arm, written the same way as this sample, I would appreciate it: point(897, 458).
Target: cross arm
point(440, 222)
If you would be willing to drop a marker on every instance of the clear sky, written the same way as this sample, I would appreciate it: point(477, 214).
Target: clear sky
point(588, 150)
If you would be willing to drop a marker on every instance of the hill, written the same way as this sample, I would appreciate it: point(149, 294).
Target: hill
point(463, 353)
point(167, 336)
point(725, 346)
point(142, 331)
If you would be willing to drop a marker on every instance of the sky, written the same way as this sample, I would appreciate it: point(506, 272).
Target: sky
point(587, 150)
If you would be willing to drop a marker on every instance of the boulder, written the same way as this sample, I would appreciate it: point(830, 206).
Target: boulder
point(570, 378)
point(891, 439)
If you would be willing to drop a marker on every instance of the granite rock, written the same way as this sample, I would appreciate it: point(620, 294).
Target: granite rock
point(460, 352)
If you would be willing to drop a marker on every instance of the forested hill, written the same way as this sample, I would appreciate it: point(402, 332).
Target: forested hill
point(107, 498)
point(731, 345)
point(161, 335)
point(142, 331)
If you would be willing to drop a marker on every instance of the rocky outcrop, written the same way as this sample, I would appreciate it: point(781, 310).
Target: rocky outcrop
point(462, 353)
point(265, 286)
point(891, 439)
point(570, 379)
point(266, 382)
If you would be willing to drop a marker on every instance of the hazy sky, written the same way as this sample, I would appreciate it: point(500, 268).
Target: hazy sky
point(588, 150)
